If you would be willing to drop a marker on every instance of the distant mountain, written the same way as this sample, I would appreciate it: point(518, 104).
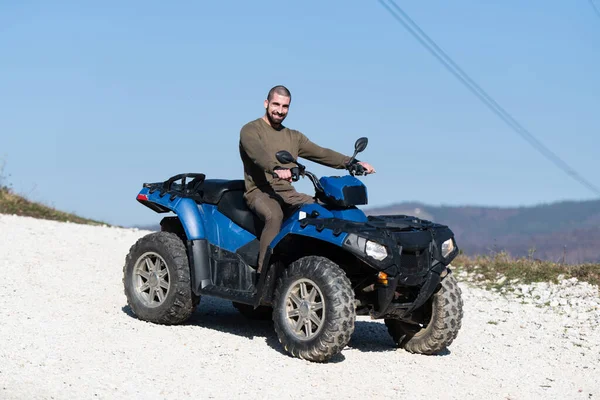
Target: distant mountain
point(569, 229)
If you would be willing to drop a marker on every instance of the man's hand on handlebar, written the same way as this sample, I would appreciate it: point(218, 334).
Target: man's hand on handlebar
point(283, 173)
point(368, 167)
point(287, 174)
point(361, 168)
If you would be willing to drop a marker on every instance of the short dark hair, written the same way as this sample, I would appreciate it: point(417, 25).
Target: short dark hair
point(280, 90)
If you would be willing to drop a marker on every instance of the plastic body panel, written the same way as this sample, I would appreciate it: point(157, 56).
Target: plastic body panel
point(221, 231)
point(185, 208)
point(292, 226)
point(203, 221)
point(333, 186)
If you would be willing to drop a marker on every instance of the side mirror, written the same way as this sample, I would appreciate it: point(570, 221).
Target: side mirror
point(285, 157)
point(361, 144)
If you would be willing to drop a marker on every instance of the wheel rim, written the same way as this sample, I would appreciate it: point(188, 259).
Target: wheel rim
point(305, 309)
point(151, 279)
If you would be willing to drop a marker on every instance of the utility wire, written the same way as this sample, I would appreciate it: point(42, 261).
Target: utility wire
point(453, 68)
point(595, 8)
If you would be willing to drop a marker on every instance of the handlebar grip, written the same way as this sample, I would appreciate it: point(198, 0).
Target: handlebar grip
point(295, 174)
point(357, 169)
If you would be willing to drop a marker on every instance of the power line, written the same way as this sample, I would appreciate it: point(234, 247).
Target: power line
point(453, 68)
point(595, 8)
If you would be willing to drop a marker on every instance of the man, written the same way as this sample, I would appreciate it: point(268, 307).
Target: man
point(268, 184)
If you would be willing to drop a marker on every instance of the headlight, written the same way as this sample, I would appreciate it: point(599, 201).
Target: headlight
point(375, 250)
point(447, 247)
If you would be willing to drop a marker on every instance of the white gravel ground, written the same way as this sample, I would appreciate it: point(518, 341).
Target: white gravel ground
point(66, 333)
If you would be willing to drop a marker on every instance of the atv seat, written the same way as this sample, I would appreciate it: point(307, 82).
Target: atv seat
point(212, 190)
point(228, 196)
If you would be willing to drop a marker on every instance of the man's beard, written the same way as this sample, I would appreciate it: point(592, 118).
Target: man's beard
point(274, 122)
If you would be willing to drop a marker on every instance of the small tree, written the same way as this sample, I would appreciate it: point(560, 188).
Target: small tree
point(5, 186)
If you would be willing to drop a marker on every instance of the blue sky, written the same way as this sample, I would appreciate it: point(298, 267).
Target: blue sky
point(97, 99)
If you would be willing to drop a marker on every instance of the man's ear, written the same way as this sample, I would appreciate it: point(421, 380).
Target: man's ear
point(266, 104)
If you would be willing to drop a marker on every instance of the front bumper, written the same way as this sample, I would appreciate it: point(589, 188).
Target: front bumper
point(414, 262)
point(387, 307)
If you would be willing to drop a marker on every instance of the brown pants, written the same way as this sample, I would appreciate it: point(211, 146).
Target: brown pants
point(270, 207)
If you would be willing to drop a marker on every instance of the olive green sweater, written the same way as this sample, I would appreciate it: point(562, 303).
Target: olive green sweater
point(259, 143)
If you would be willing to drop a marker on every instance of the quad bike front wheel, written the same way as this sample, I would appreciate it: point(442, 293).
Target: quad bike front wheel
point(313, 309)
point(443, 319)
point(156, 279)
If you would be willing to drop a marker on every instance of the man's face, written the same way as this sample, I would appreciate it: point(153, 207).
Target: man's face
point(277, 108)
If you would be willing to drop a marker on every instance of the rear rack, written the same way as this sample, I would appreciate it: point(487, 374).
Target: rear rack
point(183, 189)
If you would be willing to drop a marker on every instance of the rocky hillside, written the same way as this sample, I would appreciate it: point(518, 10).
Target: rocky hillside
point(12, 203)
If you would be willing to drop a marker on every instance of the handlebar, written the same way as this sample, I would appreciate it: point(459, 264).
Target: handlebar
point(300, 170)
point(356, 169)
point(296, 172)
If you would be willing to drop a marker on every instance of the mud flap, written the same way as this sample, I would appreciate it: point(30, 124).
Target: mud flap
point(198, 255)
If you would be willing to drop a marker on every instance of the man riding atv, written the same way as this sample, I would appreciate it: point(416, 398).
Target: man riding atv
point(325, 264)
point(269, 192)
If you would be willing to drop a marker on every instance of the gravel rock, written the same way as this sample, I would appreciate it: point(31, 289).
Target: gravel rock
point(67, 332)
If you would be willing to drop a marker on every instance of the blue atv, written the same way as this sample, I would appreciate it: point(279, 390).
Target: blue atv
point(329, 263)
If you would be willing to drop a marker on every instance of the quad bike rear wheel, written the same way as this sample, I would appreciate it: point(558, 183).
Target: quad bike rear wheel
point(313, 309)
point(440, 327)
point(156, 279)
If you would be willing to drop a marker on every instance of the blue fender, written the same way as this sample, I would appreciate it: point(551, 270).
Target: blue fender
point(185, 208)
point(223, 232)
point(292, 226)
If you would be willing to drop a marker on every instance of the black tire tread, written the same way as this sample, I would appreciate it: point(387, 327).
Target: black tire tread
point(184, 302)
point(447, 314)
point(341, 313)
